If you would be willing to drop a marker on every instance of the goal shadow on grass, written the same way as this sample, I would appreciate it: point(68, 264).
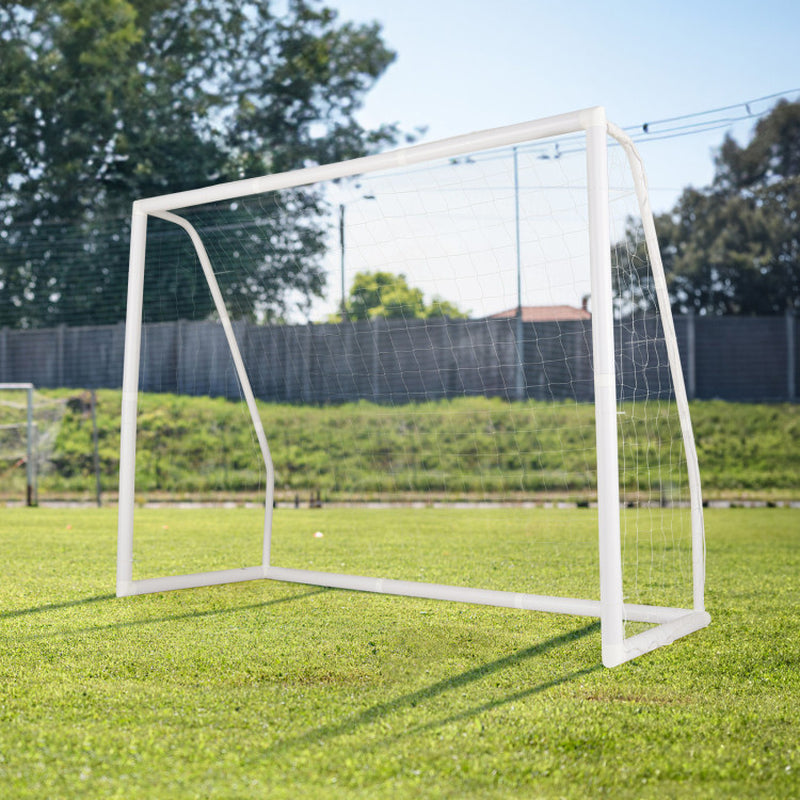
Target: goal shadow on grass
point(21, 612)
point(148, 621)
point(440, 688)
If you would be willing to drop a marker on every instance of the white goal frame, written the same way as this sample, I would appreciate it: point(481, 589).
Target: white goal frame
point(669, 623)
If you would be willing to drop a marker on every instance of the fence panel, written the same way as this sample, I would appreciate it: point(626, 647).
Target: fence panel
point(741, 358)
point(733, 358)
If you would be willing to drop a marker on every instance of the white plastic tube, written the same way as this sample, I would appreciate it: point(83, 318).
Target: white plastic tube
point(443, 148)
point(605, 389)
point(130, 393)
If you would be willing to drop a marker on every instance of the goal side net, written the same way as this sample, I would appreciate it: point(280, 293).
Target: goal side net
point(493, 362)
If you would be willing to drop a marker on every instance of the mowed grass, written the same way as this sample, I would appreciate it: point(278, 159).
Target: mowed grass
point(268, 689)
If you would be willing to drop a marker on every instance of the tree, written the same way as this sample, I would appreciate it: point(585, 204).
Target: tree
point(104, 101)
point(734, 247)
point(383, 294)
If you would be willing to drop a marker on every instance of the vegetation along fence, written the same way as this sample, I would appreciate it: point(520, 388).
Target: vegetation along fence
point(732, 358)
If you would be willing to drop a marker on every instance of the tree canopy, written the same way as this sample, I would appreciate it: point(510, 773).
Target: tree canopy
point(384, 294)
point(106, 101)
point(734, 247)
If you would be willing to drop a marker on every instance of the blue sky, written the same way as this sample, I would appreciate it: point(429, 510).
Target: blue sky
point(468, 65)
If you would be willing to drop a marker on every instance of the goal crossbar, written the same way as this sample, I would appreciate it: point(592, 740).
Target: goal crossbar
point(670, 623)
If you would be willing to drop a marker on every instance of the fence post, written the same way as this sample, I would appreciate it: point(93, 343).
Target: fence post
point(60, 336)
point(180, 337)
point(288, 359)
point(519, 352)
point(306, 355)
point(239, 327)
point(691, 356)
point(445, 357)
point(4, 354)
point(791, 356)
point(114, 368)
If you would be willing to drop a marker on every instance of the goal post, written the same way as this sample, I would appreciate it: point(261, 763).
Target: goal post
point(628, 376)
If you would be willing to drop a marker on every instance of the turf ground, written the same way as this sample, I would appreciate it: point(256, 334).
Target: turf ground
point(269, 689)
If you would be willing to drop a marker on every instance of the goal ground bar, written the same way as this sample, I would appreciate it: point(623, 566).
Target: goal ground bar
point(657, 615)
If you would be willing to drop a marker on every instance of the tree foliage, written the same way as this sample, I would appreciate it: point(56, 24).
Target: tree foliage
point(734, 247)
point(104, 101)
point(384, 294)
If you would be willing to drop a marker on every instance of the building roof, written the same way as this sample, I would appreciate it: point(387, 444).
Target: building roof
point(544, 313)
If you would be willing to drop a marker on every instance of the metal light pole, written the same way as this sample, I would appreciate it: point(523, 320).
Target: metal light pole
point(520, 377)
point(343, 308)
point(341, 260)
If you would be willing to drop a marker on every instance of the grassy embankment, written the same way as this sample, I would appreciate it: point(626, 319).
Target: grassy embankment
point(469, 448)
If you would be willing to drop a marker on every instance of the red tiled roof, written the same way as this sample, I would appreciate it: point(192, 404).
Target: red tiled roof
point(544, 313)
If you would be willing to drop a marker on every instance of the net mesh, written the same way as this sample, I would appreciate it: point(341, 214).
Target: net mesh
point(455, 370)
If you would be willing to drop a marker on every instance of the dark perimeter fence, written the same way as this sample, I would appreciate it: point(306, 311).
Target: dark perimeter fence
point(752, 359)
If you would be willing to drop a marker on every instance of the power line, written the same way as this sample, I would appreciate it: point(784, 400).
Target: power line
point(644, 132)
point(744, 104)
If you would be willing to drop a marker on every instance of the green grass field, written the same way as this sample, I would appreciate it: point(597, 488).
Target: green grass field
point(274, 690)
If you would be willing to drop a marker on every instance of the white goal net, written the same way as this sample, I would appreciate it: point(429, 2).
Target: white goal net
point(494, 343)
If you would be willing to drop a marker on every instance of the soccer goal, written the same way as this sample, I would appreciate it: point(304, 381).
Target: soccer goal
point(524, 372)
